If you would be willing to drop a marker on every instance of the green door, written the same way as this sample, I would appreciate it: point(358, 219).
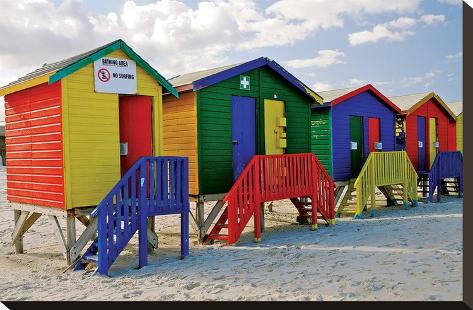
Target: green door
point(356, 144)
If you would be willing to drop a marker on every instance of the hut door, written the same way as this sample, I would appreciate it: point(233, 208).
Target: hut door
point(374, 135)
point(433, 140)
point(243, 132)
point(356, 144)
point(274, 127)
point(421, 143)
point(135, 129)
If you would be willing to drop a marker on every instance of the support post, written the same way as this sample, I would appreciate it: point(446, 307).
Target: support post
point(71, 236)
point(19, 239)
point(373, 202)
point(152, 244)
point(262, 218)
point(200, 219)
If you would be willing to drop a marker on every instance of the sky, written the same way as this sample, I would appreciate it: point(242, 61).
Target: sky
point(399, 46)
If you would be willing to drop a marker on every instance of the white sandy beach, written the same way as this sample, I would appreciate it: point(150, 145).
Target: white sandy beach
point(414, 254)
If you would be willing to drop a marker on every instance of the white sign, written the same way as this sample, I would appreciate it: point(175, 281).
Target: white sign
point(421, 144)
point(244, 82)
point(115, 75)
point(354, 146)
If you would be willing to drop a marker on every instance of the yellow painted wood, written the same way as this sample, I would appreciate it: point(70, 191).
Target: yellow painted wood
point(432, 139)
point(92, 134)
point(180, 132)
point(273, 115)
point(381, 169)
point(26, 84)
point(460, 132)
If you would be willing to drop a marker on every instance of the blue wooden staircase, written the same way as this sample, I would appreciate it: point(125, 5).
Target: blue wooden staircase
point(152, 186)
point(447, 165)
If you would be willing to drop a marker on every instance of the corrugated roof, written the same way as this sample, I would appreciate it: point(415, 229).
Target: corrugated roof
point(406, 102)
point(55, 66)
point(188, 78)
point(456, 107)
point(330, 95)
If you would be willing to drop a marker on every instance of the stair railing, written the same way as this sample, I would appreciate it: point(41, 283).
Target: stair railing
point(382, 169)
point(276, 177)
point(445, 165)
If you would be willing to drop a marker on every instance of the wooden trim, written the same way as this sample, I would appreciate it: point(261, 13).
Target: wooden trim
point(26, 84)
point(58, 231)
point(21, 228)
point(38, 209)
point(427, 98)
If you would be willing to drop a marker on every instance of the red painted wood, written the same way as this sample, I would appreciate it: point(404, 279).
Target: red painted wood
point(373, 133)
point(446, 129)
point(135, 129)
point(34, 146)
point(362, 90)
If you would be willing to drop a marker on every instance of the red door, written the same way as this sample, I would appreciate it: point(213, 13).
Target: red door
point(374, 135)
point(135, 129)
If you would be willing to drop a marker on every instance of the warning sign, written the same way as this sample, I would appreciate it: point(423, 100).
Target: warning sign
point(115, 75)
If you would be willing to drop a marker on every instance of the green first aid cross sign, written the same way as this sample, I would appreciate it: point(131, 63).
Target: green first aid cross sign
point(244, 82)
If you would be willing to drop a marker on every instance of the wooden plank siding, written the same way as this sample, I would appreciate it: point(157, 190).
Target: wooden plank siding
point(366, 105)
point(214, 109)
point(34, 146)
point(180, 132)
point(321, 136)
point(446, 130)
point(460, 132)
point(91, 134)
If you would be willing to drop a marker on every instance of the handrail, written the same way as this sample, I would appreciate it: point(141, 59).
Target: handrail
point(381, 169)
point(275, 177)
point(152, 186)
point(445, 165)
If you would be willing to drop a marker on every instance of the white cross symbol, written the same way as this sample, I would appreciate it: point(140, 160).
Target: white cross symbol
point(244, 82)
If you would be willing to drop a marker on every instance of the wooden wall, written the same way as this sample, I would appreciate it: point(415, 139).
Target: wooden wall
point(321, 136)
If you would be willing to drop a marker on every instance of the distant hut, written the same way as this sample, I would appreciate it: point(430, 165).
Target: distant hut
point(457, 108)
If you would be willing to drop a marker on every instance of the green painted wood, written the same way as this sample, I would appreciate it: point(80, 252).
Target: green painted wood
point(321, 137)
point(118, 44)
point(214, 124)
point(356, 135)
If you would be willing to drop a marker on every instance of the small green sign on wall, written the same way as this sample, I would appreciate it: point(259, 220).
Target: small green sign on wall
point(244, 82)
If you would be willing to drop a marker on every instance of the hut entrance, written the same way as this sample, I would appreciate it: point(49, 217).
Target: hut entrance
point(274, 127)
point(421, 145)
point(374, 136)
point(135, 129)
point(356, 144)
point(433, 138)
point(243, 132)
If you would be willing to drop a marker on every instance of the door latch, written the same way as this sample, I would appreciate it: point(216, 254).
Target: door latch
point(235, 141)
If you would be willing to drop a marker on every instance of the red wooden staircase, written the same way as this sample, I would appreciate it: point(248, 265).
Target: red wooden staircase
point(270, 178)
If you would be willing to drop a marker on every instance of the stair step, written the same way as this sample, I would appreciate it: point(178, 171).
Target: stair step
point(218, 237)
point(221, 225)
point(91, 258)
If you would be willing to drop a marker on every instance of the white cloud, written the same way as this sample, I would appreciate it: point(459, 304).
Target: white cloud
point(452, 2)
point(324, 58)
point(426, 79)
point(172, 35)
point(458, 55)
point(432, 19)
point(322, 87)
point(396, 30)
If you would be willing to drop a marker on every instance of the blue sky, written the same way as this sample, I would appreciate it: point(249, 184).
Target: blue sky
point(401, 46)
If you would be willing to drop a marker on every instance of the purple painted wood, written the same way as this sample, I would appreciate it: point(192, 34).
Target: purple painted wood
point(366, 105)
point(421, 143)
point(446, 165)
point(245, 67)
point(123, 212)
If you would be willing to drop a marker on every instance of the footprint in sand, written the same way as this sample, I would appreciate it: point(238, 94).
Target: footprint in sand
point(132, 294)
point(191, 286)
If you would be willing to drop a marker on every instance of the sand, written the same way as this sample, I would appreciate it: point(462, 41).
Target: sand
point(413, 254)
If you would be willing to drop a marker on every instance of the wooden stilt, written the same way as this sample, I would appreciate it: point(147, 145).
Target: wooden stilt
point(262, 218)
point(60, 236)
point(19, 240)
point(152, 236)
point(71, 235)
point(200, 219)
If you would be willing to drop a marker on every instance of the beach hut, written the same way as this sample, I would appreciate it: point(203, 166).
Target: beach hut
point(430, 127)
point(457, 108)
point(351, 123)
point(73, 128)
point(226, 115)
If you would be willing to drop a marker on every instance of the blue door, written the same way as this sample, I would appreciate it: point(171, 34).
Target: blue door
point(243, 132)
point(421, 143)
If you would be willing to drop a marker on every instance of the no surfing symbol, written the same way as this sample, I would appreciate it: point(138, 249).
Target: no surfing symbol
point(103, 75)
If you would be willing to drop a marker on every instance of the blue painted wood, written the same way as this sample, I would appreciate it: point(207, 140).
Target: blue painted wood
point(446, 165)
point(245, 67)
point(366, 105)
point(152, 186)
point(243, 132)
point(421, 137)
